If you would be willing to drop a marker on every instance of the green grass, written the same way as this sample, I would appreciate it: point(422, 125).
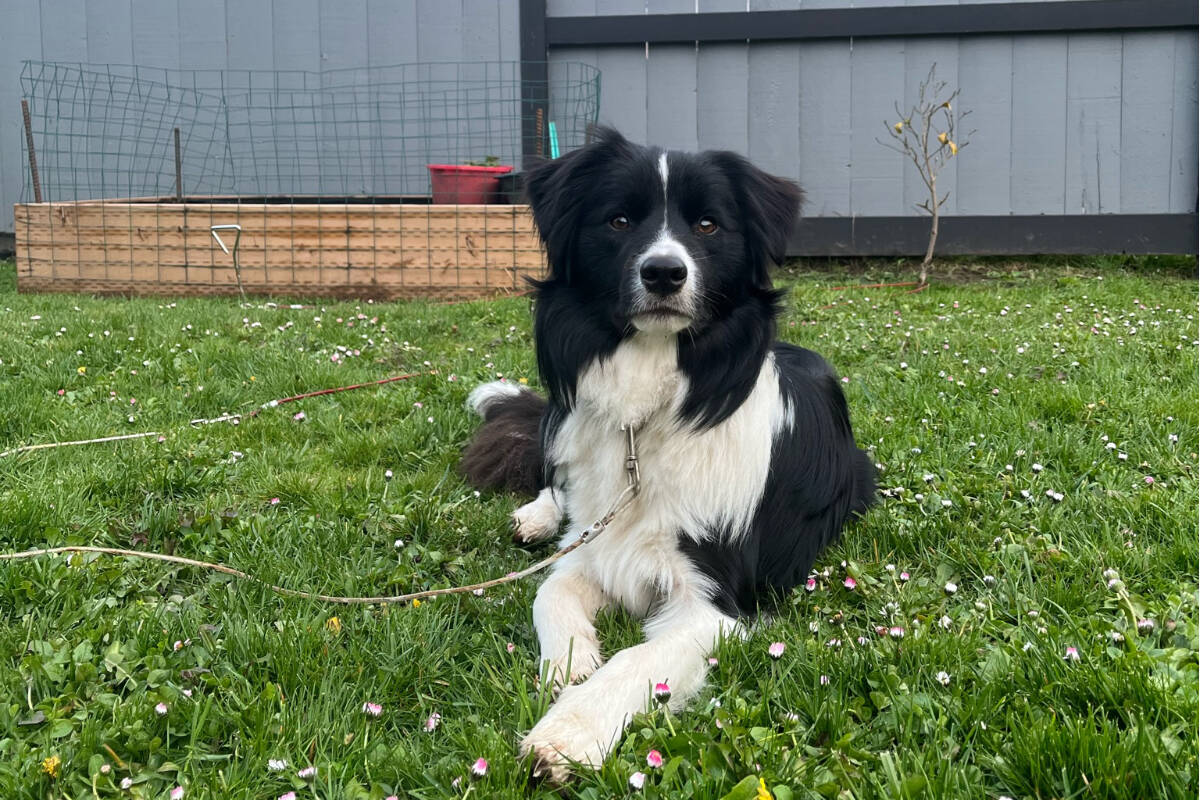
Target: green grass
point(87, 645)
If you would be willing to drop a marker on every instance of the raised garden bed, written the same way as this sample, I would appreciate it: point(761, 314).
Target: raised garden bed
point(381, 247)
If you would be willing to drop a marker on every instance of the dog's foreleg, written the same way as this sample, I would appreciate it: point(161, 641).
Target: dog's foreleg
point(563, 615)
point(538, 519)
point(588, 719)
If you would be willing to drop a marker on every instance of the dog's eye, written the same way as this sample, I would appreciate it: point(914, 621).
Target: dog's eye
point(619, 223)
point(706, 226)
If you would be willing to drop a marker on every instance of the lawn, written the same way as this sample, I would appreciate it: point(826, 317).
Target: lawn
point(1024, 620)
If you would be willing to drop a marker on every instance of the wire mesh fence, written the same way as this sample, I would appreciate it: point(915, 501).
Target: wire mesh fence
point(348, 170)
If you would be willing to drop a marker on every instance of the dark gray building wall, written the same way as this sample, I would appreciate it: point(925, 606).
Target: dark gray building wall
point(1079, 123)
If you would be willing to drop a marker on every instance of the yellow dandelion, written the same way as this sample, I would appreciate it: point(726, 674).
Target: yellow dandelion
point(763, 793)
point(416, 603)
point(333, 625)
point(899, 126)
point(81, 370)
point(51, 766)
point(523, 380)
point(942, 138)
point(953, 148)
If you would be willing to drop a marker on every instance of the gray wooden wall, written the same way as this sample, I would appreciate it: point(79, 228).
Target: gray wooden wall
point(1065, 124)
point(1080, 123)
point(236, 34)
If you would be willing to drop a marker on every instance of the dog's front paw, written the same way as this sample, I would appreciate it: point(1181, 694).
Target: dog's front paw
point(535, 521)
point(563, 740)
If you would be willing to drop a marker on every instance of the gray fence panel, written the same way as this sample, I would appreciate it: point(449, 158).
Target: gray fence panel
point(63, 31)
point(825, 118)
point(439, 24)
point(1093, 165)
point(155, 28)
point(876, 173)
point(983, 172)
point(1147, 85)
point(201, 35)
point(391, 32)
point(110, 32)
point(1184, 124)
point(1039, 125)
point(774, 122)
point(722, 102)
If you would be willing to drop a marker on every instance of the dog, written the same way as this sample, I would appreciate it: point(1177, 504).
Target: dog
point(658, 314)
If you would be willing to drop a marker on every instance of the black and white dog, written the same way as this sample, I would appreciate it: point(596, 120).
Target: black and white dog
point(658, 313)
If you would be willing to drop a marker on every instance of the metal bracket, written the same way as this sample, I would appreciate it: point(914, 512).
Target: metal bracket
point(237, 240)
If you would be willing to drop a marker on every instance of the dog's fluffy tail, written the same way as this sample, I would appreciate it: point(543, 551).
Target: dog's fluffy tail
point(506, 451)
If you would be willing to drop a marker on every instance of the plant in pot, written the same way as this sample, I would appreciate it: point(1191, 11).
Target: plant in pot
point(472, 183)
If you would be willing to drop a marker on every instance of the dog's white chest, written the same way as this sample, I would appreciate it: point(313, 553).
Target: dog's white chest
point(693, 482)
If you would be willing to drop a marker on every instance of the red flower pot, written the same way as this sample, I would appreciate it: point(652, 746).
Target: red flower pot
point(465, 184)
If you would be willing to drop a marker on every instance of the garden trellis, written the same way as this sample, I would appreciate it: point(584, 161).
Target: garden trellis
point(327, 173)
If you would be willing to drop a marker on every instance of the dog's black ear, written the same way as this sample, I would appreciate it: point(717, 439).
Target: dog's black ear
point(770, 208)
point(556, 191)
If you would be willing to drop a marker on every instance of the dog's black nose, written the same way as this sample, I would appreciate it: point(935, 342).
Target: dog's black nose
point(663, 275)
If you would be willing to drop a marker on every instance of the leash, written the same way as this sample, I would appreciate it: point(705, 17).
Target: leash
point(620, 503)
point(233, 419)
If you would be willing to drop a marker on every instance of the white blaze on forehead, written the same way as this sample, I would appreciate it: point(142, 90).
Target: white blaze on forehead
point(662, 170)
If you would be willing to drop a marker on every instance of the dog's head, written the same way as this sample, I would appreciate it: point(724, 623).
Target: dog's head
point(666, 240)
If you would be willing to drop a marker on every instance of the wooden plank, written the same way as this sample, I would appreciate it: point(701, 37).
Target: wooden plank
point(110, 32)
point(824, 125)
point(252, 34)
point(391, 32)
point(202, 35)
point(440, 25)
point(1093, 163)
point(1147, 89)
point(143, 247)
point(985, 66)
point(509, 30)
point(876, 173)
point(155, 29)
point(343, 31)
point(920, 54)
point(774, 89)
point(63, 30)
point(1183, 175)
point(722, 88)
point(671, 97)
point(1039, 125)
point(671, 86)
point(623, 87)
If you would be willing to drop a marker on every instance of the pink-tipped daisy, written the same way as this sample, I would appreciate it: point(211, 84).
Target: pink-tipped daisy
point(904, 576)
point(896, 632)
point(654, 759)
point(479, 768)
point(432, 722)
point(177, 793)
point(850, 583)
point(637, 780)
point(161, 709)
point(372, 709)
point(288, 796)
point(1072, 654)
point(776, 650)
point(824, 680)
point(662, 692)
point(810, 585)
point(308, 773)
